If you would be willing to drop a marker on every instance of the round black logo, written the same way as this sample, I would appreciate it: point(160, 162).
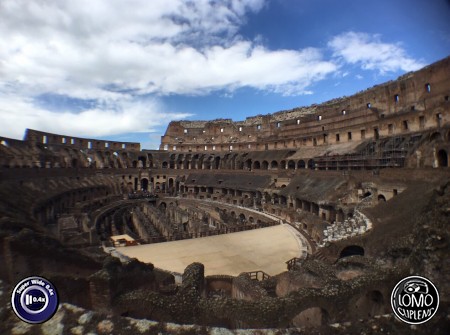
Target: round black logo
point(415, 300)
point(34, 300)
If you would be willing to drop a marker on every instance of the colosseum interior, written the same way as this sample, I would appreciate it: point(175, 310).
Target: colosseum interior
point(297, 222)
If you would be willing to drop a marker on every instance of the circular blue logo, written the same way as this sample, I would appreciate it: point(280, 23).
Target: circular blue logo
point(34, 300)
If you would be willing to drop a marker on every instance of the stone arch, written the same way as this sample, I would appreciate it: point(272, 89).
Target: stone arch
point(164, 165)
point(311, 164)
point(301, 164)
point(274, 165)
point(265, 165)
point(291, 165)
point(162, 206)
point(217, 163)
point(442, 158)
point(248, 164)
point(283, 165)
point(256, 165)
point(144, 184)
point(242, 218)
point(311, 317)
point(381, 198)
point(436, 136)
point(370, 304)
point(352, 250)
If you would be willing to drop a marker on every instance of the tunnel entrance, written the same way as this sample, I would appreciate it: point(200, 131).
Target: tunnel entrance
point(351, 250)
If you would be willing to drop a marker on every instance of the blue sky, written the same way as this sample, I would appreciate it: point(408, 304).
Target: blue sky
point(122, 70)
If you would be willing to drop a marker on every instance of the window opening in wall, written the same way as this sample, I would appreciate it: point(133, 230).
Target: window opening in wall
point(314, 141)
point(63, 140)
point(258, 127)
point(325, 138)
point(206, 147)
point(369, 105)
point(396, 98)
point(376, 133)
point(124, 145)
point(323, 128)
point(446, 98)
point(382, 116)
point(221, 130)
point(44, 139)
point(174, 148)
point(421, 122)
point(298, 121)
point(405, 124)
point(275, 145)
point(240, 128)
point(231, 148)
point(4, 143)
point(338, 137)
point(204, 131)
point(349, 135)
point(214, 147)
point(428, 87)
point(390, 128)
point(363, 133)
point(319, 117)
point(249, 146)
point(344, 112)
point(106, 145)
point(166, 147)
point(413, 108)
point(89, 145)
point(72, 141)
point(395, 191)
point(278, 124)
point(185, 131)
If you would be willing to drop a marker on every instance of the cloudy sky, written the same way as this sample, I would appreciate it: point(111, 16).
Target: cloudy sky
point(123, 69)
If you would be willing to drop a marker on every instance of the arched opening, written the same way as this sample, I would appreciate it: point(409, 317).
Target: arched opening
point(242, 218)
point(442, 157)
point(144, 184)
point(435, 137)
point(265, 165)
point(135, 164)
point(217, 163)
point(164, 165)
point(162, 206)
point(291, 165)
point(74, 163)
point(301, 164)
point(370, 304)
point(367, 194)
point(283, 165)
point(311, 317)
point(352, 250)
point(311, 164)
point(256, 165)
point(274, 165)
point(381, 198)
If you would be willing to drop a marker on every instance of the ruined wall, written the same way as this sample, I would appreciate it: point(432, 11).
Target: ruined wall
point(416, 101)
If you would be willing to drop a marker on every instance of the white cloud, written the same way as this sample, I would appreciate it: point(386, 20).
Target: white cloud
point(371, 53)
point(115, 52)
point(124, 116)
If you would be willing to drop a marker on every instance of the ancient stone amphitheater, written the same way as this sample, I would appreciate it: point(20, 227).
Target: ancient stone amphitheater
point(359, 183)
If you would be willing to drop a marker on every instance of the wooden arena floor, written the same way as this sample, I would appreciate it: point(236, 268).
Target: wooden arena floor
point(265, 249)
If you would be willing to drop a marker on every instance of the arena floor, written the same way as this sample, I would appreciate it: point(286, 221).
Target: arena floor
point(265, 249)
